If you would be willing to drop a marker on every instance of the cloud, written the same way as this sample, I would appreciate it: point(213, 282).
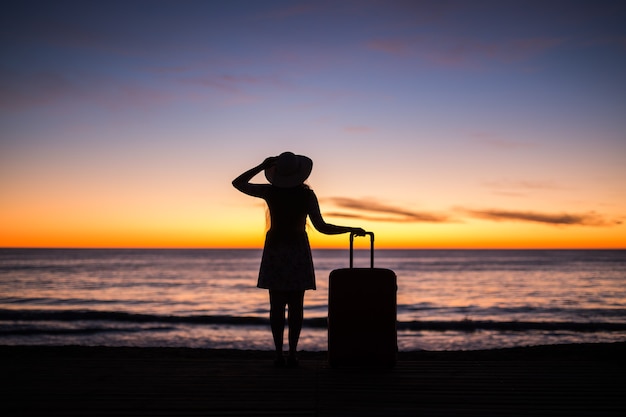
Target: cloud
point(522, 49)
point(19, 91)
point(372, 210)
point(234, 83)
point(523, 184)
point(494, 141)
point(288, 12)
point(562, 219)
point(452, 51)
point(23, 91)
point(519, 188)
point(398, 47)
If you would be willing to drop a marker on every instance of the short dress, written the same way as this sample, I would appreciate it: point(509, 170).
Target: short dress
point(287, 264)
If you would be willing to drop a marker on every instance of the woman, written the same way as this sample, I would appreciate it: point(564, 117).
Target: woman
point(287, 266)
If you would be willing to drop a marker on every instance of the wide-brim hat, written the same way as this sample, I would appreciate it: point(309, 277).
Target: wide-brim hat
point(290, 170)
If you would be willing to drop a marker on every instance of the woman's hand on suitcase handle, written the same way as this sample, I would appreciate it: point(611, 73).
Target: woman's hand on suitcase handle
point(357, 231)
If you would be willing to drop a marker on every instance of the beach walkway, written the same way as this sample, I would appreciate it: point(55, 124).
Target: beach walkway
point(570, 380)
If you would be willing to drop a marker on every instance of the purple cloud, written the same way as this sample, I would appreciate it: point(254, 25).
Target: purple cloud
point(495, 141)
point(453, 51)
point(234, 83)
point(20, 91)
point(398, 47)
point(289, 11)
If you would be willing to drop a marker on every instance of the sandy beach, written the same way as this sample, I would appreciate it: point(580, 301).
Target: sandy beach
point(585, 380)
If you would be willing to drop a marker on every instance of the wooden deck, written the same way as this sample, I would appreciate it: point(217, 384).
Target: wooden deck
point(179, 382)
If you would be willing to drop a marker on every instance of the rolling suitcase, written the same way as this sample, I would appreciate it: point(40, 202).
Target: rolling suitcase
point(362, 314)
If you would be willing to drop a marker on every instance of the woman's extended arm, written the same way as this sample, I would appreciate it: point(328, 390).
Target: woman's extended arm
point(242, 182)
point(329, 229)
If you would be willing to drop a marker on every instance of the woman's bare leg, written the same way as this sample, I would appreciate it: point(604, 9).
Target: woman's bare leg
point(296, 317)
point(277, 319)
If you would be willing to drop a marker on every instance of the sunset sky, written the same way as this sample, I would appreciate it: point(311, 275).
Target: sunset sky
point(434, 124)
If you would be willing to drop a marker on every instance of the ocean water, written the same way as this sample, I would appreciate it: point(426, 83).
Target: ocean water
point(447, 299)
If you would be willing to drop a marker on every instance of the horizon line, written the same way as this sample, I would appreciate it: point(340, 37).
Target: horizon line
point(312, 248)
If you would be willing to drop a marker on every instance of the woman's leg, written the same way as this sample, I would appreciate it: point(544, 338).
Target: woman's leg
point(278, 301)
point(296, 316)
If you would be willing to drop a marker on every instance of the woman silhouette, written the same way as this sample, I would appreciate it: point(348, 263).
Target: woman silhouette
point(287, 266)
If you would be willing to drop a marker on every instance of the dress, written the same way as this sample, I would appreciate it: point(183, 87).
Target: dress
point(287, 264)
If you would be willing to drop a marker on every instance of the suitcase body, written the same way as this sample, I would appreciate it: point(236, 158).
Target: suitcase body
point(362, 315)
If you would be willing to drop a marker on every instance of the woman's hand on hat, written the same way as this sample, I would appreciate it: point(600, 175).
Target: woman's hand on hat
point(269, 161)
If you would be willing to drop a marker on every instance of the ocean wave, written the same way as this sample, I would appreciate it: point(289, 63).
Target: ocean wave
point(473, 325)
point(160, 322)
point(614, 311)
point(117, 316)
point(81, 331)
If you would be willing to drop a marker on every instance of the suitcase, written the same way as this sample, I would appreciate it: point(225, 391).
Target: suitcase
point(362, 314)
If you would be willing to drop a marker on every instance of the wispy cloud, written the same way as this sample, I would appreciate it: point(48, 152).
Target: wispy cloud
point(370, 209)
point(399, 47)
point(495, 141)
point(20, 91)
point(233, 83)
point(450, 51)
point(373, 210)
point(288, 11)
point(565, 219)
point(519, 188)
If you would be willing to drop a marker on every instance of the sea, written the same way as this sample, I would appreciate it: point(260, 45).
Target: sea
point(207, 298)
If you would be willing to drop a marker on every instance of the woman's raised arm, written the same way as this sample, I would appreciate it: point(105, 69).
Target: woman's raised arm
point(242, 182)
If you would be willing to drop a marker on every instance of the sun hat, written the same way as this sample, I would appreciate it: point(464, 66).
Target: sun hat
point(290, 170)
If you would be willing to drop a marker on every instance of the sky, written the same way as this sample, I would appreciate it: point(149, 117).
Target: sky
point(434, 124)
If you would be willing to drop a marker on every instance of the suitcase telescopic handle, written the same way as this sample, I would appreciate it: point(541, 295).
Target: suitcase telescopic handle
point(371, 235)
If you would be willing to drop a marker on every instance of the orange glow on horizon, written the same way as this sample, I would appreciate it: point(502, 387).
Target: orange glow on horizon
point(244, 227)
point(382, 241)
